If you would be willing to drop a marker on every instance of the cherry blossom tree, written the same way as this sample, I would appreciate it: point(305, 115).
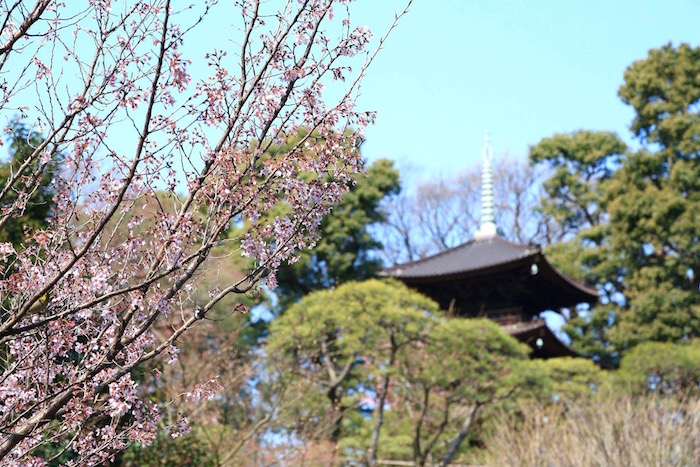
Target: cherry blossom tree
point(163, 148)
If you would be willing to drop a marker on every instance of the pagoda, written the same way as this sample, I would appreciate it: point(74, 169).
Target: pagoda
point(491, 277)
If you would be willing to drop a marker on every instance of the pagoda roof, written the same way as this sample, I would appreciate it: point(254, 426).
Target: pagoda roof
point(489, 256)
point(528, 332)
point(473, 256)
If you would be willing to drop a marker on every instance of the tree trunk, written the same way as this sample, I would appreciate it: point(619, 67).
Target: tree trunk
point(13, 437)
point(417, 457)
point(338, 412)
point(425, 455)
point(454, 445)
point(337, 409)
point(374, 443)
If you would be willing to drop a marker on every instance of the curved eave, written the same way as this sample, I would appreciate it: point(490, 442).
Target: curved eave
point(465, 274)
point(473, 258)
point(529, 332)
point(449, 261)
point(582, 292)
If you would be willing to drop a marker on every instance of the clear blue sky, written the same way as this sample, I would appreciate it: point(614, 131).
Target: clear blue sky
point(522, 70)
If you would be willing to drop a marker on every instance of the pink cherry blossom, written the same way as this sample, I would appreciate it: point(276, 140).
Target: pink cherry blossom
point(163, 148)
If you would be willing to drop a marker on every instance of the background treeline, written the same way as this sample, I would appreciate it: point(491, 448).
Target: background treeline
point(335, 366)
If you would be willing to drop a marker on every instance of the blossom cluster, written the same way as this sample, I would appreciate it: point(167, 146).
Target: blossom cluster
point(157, 163)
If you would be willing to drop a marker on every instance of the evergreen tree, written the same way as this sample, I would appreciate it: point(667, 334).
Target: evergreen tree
point(39, 204)
point(634, 218)
point(661, 367)
point(654, 200)
point(346, 341)
point(583, 162)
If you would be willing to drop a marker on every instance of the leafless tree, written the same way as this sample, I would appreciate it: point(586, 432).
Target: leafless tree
point(433, 215)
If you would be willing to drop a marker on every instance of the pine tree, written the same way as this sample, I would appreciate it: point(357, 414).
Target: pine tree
point(40, 203)
point(634, 217)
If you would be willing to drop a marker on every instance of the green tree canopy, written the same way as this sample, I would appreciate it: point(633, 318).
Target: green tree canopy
point(580, 161)
point(654, 200)
point(566, 379)
point(662, 367)
point(467, 365)
point(23, 140)
point(342, 338)
point(634, 216)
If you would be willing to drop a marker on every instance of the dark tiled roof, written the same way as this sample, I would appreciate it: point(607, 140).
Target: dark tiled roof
point(524, 327)
point(473, 256)
point(528, 332)
point(478, 258)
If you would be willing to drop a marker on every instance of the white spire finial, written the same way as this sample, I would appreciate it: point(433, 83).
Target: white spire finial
point(487, 229)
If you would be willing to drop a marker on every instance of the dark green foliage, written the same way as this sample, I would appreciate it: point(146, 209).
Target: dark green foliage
point(55, 454)
point(184, 451)
point(590, 334)
point(664, 90)
point(662, 367)
point(583, 163)
point(637, 229)
point(655, 200)
point(22, 142)
point(580, 161)
point(566, 379)
point(468, 365)
point(471, 357)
